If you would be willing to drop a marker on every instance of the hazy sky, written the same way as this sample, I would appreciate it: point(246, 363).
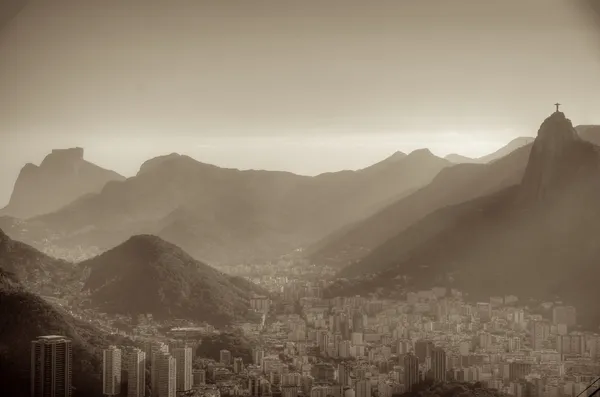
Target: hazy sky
point(306, 86)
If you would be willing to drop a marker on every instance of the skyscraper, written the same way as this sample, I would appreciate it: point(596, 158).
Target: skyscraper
point(423, 349)
point(238, 365)
point(166, 371)
point(257, 356)
point(438, 364)
point(136, 373)
point(363, 388)
point(51, 366)
point(183, 358)
point(225, 357)
point(411, 371)
point(157, 350)
point(111, 371)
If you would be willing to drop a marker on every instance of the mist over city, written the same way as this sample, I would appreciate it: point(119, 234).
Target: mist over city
point(299, 199)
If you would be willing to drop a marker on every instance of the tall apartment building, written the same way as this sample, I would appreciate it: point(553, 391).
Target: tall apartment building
point(238, 365)
point(225, 357)
point(157, 351)
point(411, 371)
point(257, 356)
point(438, 364)
point(166, 375)
point(51, 366)
point(183, 358)
point(111, 371)
point(363, 388)
point(423, 349)
point(136, 373)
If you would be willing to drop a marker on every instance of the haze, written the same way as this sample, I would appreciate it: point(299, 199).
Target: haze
point(307, 86)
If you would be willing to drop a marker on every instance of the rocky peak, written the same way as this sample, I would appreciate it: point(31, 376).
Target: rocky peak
point(558, 156)
point(63, 156)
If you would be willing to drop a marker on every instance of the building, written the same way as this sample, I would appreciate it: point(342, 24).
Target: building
point(411, 371)
point(423, 349)
point(51, 366)
point(136, 373)
point(166, 375)
point(157, 350)
point(238, 365)
point(438, 364)
point(183, 359)
point(518, 371)
point(198, 377)
point(363, 388)
point(257, 356)
point(111, 371)
point(225, 357)
point(539, 333)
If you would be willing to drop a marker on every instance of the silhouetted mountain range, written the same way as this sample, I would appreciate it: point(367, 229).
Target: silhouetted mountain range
point(503, 151)
point(538, 238)
point(62, 177)
point(149, 275)
point(452, 185)
point(226, 215)
point(26, 316)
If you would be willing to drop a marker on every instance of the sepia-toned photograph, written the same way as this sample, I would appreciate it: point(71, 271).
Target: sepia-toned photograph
point(300, 198)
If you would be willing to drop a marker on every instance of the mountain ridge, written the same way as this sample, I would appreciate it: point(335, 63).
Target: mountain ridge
point(230, 215)
point(62, 177)
point(542, 246)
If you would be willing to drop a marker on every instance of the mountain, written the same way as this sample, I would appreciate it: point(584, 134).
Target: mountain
point(459, 159)
point(535, 239)
point(26, 316)
point(590, 133)
point(498, 154)
point(146, 274)
point(225, 215)
point(62, 177)
point(452, 185)
point(37, 271)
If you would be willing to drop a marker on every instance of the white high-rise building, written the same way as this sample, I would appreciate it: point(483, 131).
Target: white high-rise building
point(166, 373)
point(111, 371)
point(136, 373)
point(51, 366)
point(183, 357)
point(156, 351)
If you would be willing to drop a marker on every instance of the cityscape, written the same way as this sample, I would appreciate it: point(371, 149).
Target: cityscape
point(343, 198)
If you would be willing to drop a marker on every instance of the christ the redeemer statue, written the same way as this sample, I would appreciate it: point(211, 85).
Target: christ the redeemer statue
point(557, 105)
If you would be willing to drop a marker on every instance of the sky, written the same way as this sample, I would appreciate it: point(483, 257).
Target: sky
point(306, 86)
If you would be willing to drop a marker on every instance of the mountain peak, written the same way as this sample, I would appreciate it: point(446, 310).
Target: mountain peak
point(556, 130)
point(63, 156)
point(421, 153)
point(558, 156)
point(397, 155)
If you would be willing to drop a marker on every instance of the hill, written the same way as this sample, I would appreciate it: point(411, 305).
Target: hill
point(452, 185)
point(62, 177)
point(535, 239)
point(146, 274)
point(26, 316)
point(498, 154)
point(225, 215)
point(37, 271)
